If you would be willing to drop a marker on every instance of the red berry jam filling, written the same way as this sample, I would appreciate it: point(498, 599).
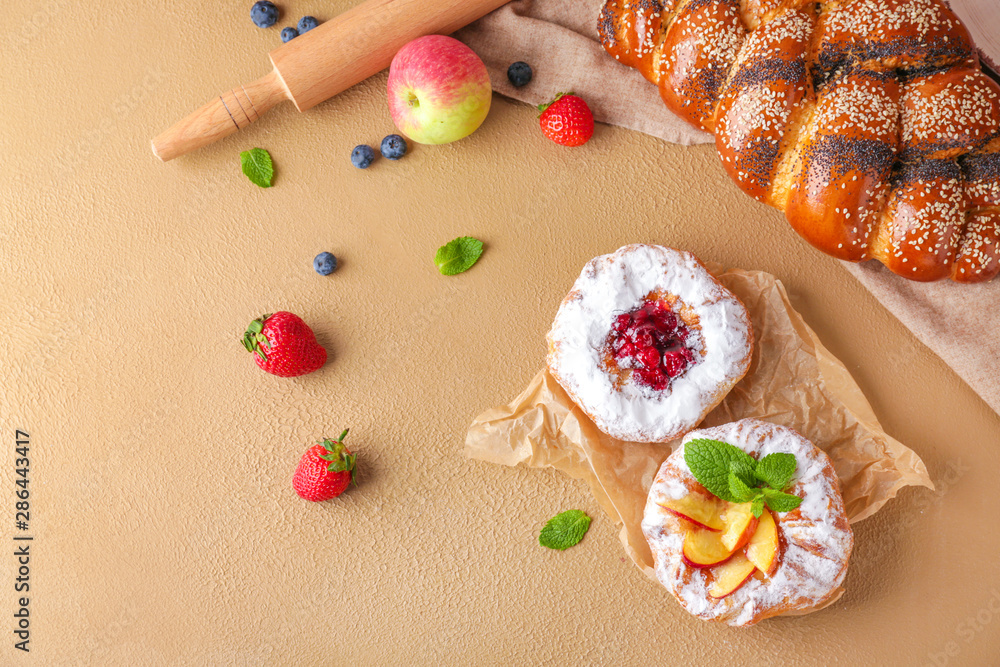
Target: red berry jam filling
point(650, 340)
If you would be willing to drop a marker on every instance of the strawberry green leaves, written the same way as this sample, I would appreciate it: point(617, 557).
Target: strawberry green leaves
point(543, 107)
point(736, 477)
point(341, 460)
point(458, 255)
point(257, 166)
point(564, 530)
point(254, 339)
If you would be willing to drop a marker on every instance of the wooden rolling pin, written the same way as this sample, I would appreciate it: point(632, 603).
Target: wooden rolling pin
point(321, 63)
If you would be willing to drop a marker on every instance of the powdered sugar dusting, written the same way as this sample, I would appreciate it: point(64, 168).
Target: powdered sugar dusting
point(816, 538)
point(721, 338)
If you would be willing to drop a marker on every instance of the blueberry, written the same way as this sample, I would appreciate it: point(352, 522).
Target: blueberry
point(288, 34)
point(393, 147)
point(307, 23)
point(362, 156)
point(264, 14)
point(325, 263)
point(519, 74)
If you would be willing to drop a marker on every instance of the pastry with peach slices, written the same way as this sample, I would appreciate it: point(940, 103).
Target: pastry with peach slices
point(745, 521)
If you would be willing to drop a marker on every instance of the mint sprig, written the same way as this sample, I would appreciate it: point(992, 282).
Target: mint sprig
point(257, 166)
point(780, 501)
point(776, 470)
point(736, 477)
point(715, 463)
point(564, 530)
point(738, 488)
point(458, 255)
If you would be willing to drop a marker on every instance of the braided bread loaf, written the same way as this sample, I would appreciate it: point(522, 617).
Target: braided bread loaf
point(868, 122)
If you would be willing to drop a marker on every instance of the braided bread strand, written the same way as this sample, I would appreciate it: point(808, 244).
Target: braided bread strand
point(868, 122)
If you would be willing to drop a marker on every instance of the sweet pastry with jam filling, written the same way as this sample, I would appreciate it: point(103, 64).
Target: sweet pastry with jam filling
point(648, 342)
point(725, 564)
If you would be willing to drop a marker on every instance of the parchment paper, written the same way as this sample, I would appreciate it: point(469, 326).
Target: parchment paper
point(793, 380)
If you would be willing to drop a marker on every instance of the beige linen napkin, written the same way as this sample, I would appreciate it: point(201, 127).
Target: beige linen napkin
point(562, 34)
point(961, 323)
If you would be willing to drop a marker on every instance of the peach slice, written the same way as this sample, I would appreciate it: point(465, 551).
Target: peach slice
point(762, 549)
point(731, 575)
point(704, 548)
point(702, 511)
point(740, 524)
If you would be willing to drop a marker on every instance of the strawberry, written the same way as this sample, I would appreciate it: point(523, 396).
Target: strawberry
point(284, 345)
point(567, 120)
point(325, 471)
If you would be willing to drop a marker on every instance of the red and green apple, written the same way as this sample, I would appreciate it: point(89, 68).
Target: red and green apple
point(439, 90)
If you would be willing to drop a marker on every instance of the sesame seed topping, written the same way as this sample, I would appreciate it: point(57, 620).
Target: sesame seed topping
point(894, 128)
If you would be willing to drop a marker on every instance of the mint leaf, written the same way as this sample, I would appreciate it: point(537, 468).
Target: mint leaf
point(564, 530)
point(733, 475)
point(744, 469)
point(458, 255)
point(257, 165)
point(711, 461)
point(776, 470)
point(780, 501)
point(739, 489)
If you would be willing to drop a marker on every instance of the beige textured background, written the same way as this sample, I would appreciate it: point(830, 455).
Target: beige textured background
point(166, 529)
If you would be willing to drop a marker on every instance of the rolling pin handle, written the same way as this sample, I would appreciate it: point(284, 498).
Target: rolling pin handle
point(227, 113)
